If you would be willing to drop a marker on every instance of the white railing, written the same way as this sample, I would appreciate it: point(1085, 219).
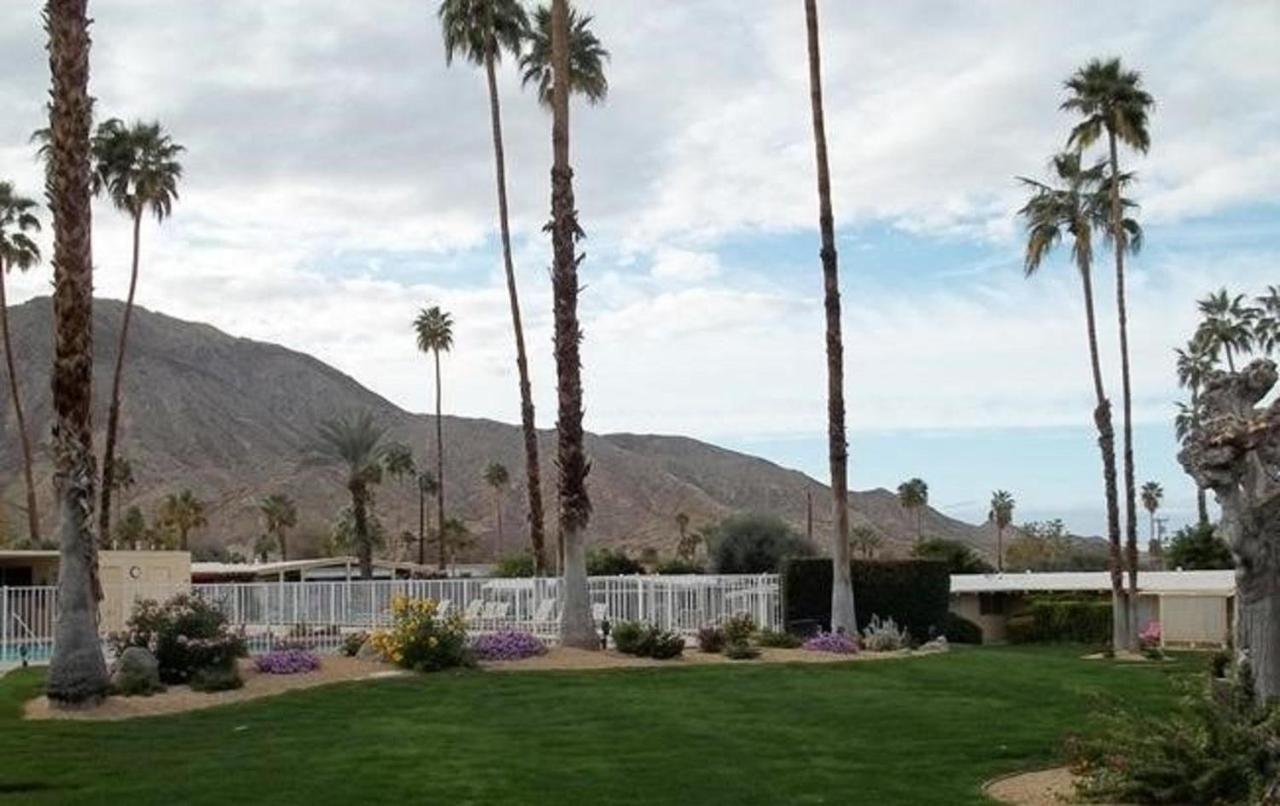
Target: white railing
point(319, 613)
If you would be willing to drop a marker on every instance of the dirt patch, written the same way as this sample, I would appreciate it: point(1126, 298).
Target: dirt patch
point(565, 658)
point(178, 699)
point(1040, 788)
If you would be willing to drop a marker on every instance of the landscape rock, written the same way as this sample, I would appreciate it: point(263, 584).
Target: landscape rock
point(938, 644)
point(136, 673)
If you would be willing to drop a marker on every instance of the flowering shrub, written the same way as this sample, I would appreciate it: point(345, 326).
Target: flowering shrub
point(352, 642)
point(647, 641)
point(1150, 635)
point(738, 628)
point(507, 645)
point(884, 636)
point(287, 661)
point(838, 642)
point(711, 639)
point(186, 634)
point(420, 638)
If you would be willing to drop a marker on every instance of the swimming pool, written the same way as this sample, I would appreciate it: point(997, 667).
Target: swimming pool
point(32, 651)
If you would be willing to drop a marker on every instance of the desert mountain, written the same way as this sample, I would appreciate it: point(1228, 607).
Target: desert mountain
point(232, 418)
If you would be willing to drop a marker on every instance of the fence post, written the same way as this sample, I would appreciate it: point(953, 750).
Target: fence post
point(4, 623)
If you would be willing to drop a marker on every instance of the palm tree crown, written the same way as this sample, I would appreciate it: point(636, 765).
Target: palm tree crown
point(435, 330)
point(1267, 325)
point(496, 475)
point(482, 29)
point(1152, 495)
point(586, 57)
point(137, 167)
point(1110, 99)
point(1002, 505)
point(1076, 205)
point(17, 219)
point(355, 441)
point(1228, 324)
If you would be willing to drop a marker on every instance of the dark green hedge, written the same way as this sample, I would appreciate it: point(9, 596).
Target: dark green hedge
point(914, 593)
point(1080, 621)
point(960, 630)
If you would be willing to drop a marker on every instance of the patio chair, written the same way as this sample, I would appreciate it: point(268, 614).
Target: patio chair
point(599, 612)
point(495, 615)
point(544, 620)
point(473, 611)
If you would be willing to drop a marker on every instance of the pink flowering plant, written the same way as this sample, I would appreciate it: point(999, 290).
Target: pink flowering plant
point(1150, 635)
point(287, 661)
point(185, 633)
point(838, 642)
point(507, 645)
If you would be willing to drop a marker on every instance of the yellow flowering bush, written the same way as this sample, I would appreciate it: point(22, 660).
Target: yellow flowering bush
point(420, 638)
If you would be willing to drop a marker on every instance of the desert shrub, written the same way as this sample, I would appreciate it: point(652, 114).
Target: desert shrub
point(1083, 621)
point(960, 630)
point(420, 638)
point(646, 640)
point(507, 645)
point(676, 566)
point(665, 645)
point(608, 562)
point(287, 661)
point(884, 635)
point(915, 593)
point(514, 565)
point(741, 651)
point(754, 544)
point(1219, 746)
point(711, 639)
point(738, 628)
point(209, 679)
point(627, 637)
point(1220, 663)
point(838, 642)
point(352, 642)
point(778, 639)
point(185, 633)
point(1020, 629)
point(1197, 548)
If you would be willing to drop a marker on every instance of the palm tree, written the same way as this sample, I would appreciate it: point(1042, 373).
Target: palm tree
point(913, 496)
point(182, 513)
point(1152, 495)
point(427, 486)
point(482, 30)
point(1267, 327)
point(121, 479)
point(435, 335)
point(1228, 324)
point(1111, 100)
point(1074, 207)
point(1194, 365)
point(496, 476)
point(586, 58)
point(397, 461)
point(77, 671)
point(279, 514)
point(866, 540)
point(577, 627)
point(355, 442)
point(18, 251)
point(1001, 515)
point(137, 168)
point(843, 618)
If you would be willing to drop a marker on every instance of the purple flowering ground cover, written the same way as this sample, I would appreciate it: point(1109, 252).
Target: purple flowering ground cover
point(287, 661)
point(507, 645)
point(838, 642)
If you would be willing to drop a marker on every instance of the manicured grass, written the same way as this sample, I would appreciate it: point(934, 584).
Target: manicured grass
point(915, 731)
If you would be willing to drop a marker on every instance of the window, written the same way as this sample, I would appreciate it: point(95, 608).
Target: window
point(991, 604)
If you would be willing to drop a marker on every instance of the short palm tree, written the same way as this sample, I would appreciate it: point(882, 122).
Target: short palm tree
point(586, 57)
point(1228, 324)
point(427, 487)
point(482, 31)
point(279, 515)
point(1074, 206)
point(1267, 327)
point(1194, 364)
point(1152, 495)
point(435, 335)
point(496, 476)
point(18, 222)
point(913, 495)
point(137, 168)
point(181, 514)
point(355, 442)
point(1001, 514)
point(77, 671)
point(865, 540)
point(397, 461)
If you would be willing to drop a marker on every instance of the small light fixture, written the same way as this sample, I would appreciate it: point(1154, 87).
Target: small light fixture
point(604, 633)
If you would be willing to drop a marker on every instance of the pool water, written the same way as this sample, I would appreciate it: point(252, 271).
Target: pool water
point(36, 652)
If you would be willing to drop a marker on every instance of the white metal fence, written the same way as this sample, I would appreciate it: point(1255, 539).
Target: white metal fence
point(319, 614)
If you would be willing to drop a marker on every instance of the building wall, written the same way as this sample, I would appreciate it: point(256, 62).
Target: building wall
point(131, 575)
point(967, 605)
point(1191, 620)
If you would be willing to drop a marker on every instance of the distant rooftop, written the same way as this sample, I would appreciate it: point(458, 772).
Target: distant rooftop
point(1213, 582)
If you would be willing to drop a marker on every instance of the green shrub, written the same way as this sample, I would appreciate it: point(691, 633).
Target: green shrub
point(883, 635)
point(627, 637)
point(216, 678)
point(1020, 629)
point(711, 639)
point(1053, 620)
point(738, 628)
point(754, 544)
point(960, 630)
point(914, 593)
point(665, 645)
point(646, 641)
point(608, 562)
point(420, 638)
point(352, 642)
point(741, 651)
point(186, 634)
point(513, 566)
point(778, 639)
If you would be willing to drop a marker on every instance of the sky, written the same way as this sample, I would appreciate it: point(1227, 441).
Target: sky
point(339, 177)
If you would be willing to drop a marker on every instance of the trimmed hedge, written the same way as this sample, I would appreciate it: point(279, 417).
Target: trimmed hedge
point(914, 593)
point(960, 630)
point(1080, 621)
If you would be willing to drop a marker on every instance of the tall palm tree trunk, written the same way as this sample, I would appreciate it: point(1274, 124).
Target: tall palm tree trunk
point(439, 468)
point(422, 525)
point(533, 474)
point(113, 414)
point(999, 549)
point(1107, 447)
point(360, 515)
point(497, 509)
point(1130, 493)
point(1202, 503)
point(577, 628)
point(33, 515)
point(843, 618)
point(77, 671)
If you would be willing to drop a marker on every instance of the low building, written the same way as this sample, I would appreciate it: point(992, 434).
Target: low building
point(1193, 608)
point(318, 569)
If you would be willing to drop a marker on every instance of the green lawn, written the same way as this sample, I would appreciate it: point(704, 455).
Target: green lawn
point(915, 731)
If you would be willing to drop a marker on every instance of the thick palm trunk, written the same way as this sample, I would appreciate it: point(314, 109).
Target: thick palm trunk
point(422, 525)
point(497, 511)
point(113, 414)
point(77, 672)
point(577, 628)
point(360, 515)
point(1202, 499)
point(1130, 492)
point(843, 618)
point(439, 469)
point(1000, 549)
point(284, 547)
point(33, 514)
point(533, 474)
point(1107, 446)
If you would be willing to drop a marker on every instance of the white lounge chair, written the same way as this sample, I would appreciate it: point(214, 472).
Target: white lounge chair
point(544, 620)
point(474, 611)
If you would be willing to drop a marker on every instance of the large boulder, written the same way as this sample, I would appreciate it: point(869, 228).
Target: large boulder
point(136, 673)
